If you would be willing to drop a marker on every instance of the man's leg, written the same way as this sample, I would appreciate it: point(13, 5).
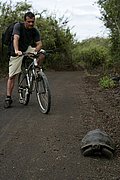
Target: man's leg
point(10, 86)
point(14, 69)
point(41, 58)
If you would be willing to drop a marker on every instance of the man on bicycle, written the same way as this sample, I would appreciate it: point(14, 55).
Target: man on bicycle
point(25, 38)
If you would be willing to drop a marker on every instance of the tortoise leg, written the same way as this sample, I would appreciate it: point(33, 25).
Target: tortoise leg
point(87, 152)
point(106, 152)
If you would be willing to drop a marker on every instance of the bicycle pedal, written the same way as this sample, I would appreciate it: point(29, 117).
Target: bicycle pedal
point(27, 91)
point(21, 101)
point(20, 89)
point(39, 78)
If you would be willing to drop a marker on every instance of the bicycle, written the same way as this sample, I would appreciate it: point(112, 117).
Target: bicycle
point(32, 78)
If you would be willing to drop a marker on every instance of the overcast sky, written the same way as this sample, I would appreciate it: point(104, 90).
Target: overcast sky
point(83, 15)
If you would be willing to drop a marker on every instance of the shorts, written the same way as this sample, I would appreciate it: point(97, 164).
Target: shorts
point(15, 63)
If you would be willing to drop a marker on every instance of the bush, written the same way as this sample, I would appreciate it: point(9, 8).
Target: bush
point(93, 52)
point(106, 82)
point(93, 56)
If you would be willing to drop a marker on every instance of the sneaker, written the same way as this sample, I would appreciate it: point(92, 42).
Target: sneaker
point(8, 103)
point(38, 78)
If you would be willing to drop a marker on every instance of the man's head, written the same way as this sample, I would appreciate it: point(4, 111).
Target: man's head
point(29, 20)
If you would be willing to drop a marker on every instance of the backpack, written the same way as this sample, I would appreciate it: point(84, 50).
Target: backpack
point(7, 35)
point(7, 38)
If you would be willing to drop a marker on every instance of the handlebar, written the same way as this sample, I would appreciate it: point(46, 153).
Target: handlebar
point(36, 54)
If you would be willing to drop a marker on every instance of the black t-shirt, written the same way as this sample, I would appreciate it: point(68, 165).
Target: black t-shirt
point(28, 37)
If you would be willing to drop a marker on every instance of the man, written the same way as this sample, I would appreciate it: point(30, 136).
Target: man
point(25, 38)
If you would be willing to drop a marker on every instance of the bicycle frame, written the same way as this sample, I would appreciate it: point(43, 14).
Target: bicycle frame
point(30, 76)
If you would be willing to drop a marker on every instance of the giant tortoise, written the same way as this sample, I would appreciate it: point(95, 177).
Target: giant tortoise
point(97, 142)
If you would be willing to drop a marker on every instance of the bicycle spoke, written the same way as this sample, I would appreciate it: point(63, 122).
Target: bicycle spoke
point(23, 89)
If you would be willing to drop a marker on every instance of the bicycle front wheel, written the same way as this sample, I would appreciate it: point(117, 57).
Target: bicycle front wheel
point(43, 93)
point(23, 90)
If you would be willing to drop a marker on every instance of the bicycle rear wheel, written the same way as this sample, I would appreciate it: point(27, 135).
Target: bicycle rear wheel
point(23, 89)
point(43, 93)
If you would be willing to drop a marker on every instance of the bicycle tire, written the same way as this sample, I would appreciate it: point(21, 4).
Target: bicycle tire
point(43, 93)
point(23, 90)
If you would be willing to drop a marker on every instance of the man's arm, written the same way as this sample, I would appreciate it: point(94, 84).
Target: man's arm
point(15, 44)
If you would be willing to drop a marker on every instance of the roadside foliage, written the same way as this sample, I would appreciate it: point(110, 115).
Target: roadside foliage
point(110, 11)
point(67, 52)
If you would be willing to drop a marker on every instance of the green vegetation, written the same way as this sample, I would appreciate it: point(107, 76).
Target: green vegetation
point(110, 10)
point(92, 53)
point(55, 34)
point(106, 82)
point(70, 54)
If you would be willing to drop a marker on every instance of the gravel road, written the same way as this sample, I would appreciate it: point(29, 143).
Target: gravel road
point(35, 146)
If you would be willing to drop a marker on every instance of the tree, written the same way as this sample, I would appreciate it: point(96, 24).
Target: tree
point(55, 33)
point(110, 10)
point(10, 13)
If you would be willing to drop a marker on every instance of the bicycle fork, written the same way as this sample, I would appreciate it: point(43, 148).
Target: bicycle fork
point(31, 81)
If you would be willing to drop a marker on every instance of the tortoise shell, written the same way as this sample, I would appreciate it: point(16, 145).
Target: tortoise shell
point(97, 142)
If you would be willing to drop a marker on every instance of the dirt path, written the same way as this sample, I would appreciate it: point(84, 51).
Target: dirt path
point(34, 146)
